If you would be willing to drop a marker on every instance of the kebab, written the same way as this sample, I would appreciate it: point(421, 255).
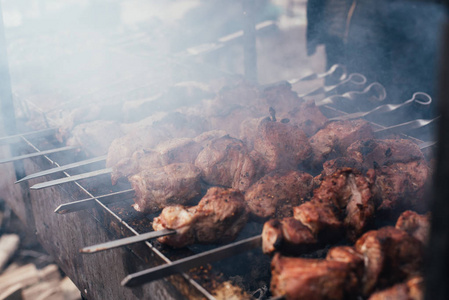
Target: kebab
point(378, 259)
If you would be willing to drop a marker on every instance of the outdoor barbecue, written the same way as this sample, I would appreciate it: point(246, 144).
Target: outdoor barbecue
point(181, 162)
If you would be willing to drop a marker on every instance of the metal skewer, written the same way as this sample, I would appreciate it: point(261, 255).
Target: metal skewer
point(354, 79)
point(399, 128)
point(62, 168)
point(71, 179)
point(90, 202)
point(335, 70)
point(376, 89)
point(35, 154)
point(127, 241)
point(18, 137)
point(418, 97)
point(185, 264)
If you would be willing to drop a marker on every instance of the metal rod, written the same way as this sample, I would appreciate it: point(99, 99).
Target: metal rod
point(35, 154)
point(90, 202)
point(63, 168)
point(71, 179)
point(185, 264)
point(127, 241)
point(19, 137)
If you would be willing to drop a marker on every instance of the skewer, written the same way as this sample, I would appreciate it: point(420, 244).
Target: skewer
point(354, 78)
point(71, 179)
point(35, 154)
point(185, 264)
point(62, 168)
point(127, 241)
point(90, 202)
point(415, 124)
point(335, 70)
point(376, 89)
point(18, 137)
point(418, 97)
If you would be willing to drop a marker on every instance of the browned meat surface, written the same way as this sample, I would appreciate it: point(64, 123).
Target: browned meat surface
point(390, 255)
point(307, 117)
point(350, 193)
point(276, 193)
point(320, 218)
point(311, 279)
point(217, 218)
point(373, 153)
point(333, 140)
point(413, 289)
point(283, 146)
point(226, 162)
point(94, 137)
point(160, 187)
point(415, 224)
point(402, 185)
point(333, 165)
point(288, 235)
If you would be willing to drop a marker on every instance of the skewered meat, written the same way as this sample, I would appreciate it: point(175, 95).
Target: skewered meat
point(280, 97)
point(402, 185)
point(160, 187)
point(283, 146)
point(333, 140)
point(343, 200)
point(374, 152)
point(276, 193)
point(413, 289)
point(287, 234)
point(226, 162)
point(307, 117)
point(217, 218)
point(355, 263)
point(415, 225)
point(391, 255)
point(312, 279)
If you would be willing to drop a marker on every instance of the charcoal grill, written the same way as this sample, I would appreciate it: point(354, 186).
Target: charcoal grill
point(99, 276)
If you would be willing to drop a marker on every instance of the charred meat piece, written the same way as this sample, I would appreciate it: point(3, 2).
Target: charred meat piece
point(275, 194)
point(333, 165)
point(350, 193)
point(288, 235)
point(391, 255)
point(373, 152)
point(226, 162)
point(354, 260)
point(415, 224)
point(413, 289)
point(333, 140)
point(284, 146)
point(312, 279)
point(218, 218)
point(160, 187)
point(307, 117)
point(402, 185)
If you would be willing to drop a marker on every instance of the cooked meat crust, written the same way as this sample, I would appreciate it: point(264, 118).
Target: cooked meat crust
point(218, 218)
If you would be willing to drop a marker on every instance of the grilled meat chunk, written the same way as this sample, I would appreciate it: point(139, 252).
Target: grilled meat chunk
point(287, 234)
point(160, 187)
point(307, 117)
point(218, 218)
point(333, 140)
point(413, 289)
point(415, 224)
point(350, 193)
point(402, 185)
point(284, 146)
point(280, 97)
point(373, 152)
point(312, 279)
point(226, 161)
point(276, 193)
point(391, 255)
